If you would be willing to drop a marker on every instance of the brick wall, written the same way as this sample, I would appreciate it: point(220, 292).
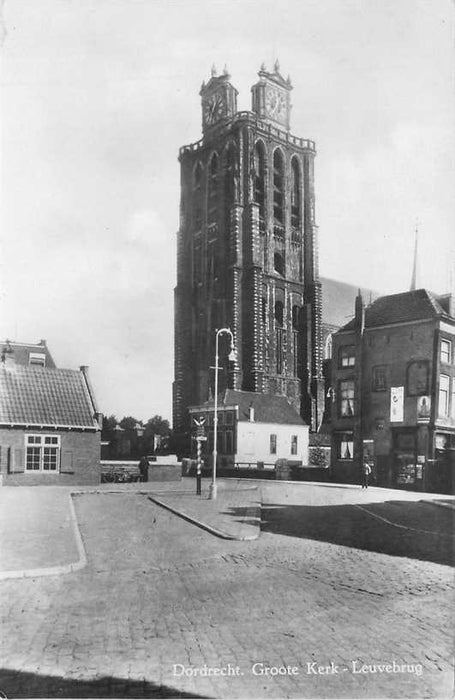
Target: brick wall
point(79, 458)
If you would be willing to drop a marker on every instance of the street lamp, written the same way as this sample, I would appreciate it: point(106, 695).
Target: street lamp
point(232, 358)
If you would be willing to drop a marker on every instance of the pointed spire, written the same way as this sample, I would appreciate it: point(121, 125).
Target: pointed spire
point(213, 71)
point(276, 67)
point(414, 266)
point(263, 66)
point(225, 70)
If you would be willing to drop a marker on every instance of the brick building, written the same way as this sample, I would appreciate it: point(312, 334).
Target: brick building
point(49, 423)
point(393, 385)
point(247, 253)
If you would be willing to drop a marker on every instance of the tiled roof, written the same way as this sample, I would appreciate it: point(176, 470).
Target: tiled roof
point(338, 299)
point(20, 352)
point(267, 407)
point(417, 305)
point(43, 396)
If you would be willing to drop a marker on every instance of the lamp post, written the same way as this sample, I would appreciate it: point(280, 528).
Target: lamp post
point(232, 357)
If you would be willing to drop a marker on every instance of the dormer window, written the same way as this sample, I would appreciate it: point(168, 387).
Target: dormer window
point(37, 358)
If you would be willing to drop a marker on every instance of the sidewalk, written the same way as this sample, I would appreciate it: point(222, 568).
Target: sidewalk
point(234, 515)
point(39, 534)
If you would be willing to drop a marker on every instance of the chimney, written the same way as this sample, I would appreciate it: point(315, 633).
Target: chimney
point(360, 312)
point(42, 342)
point(251, 413)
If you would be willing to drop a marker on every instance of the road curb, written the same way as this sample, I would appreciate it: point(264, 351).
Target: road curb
point(252, 512)
point(441, 504)
point(60, 568)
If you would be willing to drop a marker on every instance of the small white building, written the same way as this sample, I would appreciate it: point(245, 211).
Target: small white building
point(253, 428)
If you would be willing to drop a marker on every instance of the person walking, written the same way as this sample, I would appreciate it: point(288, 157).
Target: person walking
point(366, 471)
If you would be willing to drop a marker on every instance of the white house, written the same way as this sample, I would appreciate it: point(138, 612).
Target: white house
point(253, 428)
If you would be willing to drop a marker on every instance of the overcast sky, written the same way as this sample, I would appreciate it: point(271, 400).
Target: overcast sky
point(97, 98)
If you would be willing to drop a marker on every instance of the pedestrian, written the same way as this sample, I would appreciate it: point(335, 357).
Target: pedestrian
point(366, 471)
point(143, 469)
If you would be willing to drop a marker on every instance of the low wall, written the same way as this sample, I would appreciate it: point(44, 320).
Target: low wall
point(164, 472)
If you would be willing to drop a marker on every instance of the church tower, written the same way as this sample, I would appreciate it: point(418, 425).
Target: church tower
point(247, 253)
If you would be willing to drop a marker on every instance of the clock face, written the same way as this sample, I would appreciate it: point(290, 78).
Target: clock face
point(213, 109)
point(275, 102)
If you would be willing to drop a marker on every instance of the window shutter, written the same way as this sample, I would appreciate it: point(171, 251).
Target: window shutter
point(18, 462)
point(66, 466)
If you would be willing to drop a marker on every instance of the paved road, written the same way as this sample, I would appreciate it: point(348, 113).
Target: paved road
point(320, 590)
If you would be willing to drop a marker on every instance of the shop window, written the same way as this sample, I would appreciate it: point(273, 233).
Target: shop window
point(346, 356)
point(42, 453)
point(443, 405)
point(273, 444)
point(346, 394)
point(445, 351)
point(379, 378)
point(294, 443)
point(346, 446)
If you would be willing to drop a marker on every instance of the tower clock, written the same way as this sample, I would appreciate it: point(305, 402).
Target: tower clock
point(219, 99)
point(271, 97)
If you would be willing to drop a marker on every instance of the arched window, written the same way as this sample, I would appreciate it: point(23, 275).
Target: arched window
point(278, 263)
point(212, 189)
point(295, 193)
point(295, 317)
point(279, 313)
point(328, 348)
point(197, 196)
point(229, 175)
point(259, 177)
point(278, 187)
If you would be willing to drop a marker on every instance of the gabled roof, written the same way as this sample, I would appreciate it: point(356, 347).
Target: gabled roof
point(267, 407)
point(44, 396)
point(416, 305)
point(20, 352)
point(338, 299)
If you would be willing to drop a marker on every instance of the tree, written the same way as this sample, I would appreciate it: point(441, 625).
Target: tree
point(129, 423)
point(108, 429)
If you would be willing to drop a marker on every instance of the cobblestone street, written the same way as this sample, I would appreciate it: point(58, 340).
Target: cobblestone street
point(160, 598)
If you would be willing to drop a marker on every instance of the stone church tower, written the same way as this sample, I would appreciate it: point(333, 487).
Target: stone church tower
point(247, 253)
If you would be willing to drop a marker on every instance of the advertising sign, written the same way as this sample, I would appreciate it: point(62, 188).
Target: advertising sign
point(423, 409)
point(396, 404)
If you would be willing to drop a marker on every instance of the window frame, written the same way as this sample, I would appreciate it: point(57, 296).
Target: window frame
point(448, 343)
point(294, 444)
point(341, 438)
point(444, 392)
point(40, 443)
point(343, 355)
point(374, 383)
point(349, 399)
point(273, 443)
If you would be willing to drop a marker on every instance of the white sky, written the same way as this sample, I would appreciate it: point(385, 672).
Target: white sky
point(97, 98)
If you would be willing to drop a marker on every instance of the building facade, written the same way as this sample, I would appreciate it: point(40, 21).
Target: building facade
point(253, 429)
point(247, 253)
point(50, 426)
point(393, 389)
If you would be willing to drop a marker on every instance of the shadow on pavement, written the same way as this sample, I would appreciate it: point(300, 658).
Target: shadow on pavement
point(359, 526)
point(240, 513)
point(19, 684)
